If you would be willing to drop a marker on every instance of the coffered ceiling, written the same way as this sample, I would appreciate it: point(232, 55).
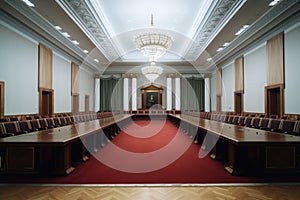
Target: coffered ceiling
point(105, 29)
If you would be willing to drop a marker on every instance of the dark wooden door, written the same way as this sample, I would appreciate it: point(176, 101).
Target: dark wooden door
point(273, 101)
point(75, 103)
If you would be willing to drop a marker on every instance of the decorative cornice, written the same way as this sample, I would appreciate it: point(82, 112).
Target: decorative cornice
point(220, 15)
point(173, 75)
point(82, 15)
point(129, 75)
point(23, 18)
point(268, 25)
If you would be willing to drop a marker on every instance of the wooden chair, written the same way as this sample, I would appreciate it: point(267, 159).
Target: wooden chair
point(3, 132)
point(255, 122)
point(286, 126)
point(25, 126)
point(13, 127)
point(263, 123)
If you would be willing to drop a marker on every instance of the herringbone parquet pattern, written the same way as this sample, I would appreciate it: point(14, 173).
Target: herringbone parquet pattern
point(149, 193)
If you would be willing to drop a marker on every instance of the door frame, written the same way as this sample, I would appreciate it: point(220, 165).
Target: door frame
point(51, 91)
point(281, 98)
point(239, 93)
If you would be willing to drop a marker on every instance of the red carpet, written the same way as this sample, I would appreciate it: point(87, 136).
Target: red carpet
point(143, 152)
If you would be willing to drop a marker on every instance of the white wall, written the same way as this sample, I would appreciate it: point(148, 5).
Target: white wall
point(86, 87)
point(61, 83)
point(292, 70)
point(19, 70)
point(255, 79)
point(228, 85)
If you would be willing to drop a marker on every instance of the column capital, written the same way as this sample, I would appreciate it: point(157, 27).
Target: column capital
point(129, 75)
point(173, 75)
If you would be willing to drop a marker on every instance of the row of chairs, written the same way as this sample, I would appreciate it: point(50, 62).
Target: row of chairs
point(26, 126)
point(269, 124)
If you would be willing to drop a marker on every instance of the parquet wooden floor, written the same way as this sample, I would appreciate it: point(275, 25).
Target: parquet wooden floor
point(149, 193)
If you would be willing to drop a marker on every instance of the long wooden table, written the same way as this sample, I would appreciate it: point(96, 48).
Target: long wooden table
point(244, 149)
point(57, 150)
point(60, 150)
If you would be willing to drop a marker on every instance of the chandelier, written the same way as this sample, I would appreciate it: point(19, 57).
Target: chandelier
point(152, 71)
point(153, 44)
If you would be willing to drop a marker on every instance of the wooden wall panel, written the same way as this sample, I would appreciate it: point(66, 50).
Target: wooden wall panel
point(75, 79)
point(275, 55)
point(45, 67)
point(239, 74)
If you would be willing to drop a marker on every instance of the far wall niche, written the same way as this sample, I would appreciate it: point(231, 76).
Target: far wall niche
point(151, 96)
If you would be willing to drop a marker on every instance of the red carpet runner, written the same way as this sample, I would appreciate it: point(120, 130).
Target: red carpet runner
point(143, 139)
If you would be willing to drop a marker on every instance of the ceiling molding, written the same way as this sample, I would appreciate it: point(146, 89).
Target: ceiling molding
point(23, 18)
point(268, 25)
point(211, 26)
point(83, 14)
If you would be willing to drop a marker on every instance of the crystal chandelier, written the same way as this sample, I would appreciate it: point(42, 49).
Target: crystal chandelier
point(153, 44)
point(152, 71)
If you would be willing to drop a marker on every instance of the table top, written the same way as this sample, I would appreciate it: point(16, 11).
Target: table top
point(239, 134)
point(64, 134)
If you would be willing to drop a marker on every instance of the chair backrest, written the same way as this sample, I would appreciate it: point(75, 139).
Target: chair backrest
point(255, 122)
point(235, 119)
point(50, 122)
point(57, 121)
point(263, 123)
point(273, 124)
point(296, 129)
point(12, 127)
point(286, 126)
point(63, 121)
point(14, 119)
point(25, 126)
point(43, 122)
point(241, 120)
point(230, 118)
point(2, 128)
point(247, 121)
point(35, 124)
point(5, 119)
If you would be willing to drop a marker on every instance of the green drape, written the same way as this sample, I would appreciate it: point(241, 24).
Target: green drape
point(192, 94)
point(111, 94)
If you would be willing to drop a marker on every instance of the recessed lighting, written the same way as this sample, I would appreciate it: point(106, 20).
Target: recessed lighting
point(96, 60)
point(220, 49)
point(242, 29)
point(85, 51)
point(209, 59)
point(273, 3)
point(28, 3)
point(226, 44)
point(75, 42)
point(58, 28)
point(66, 34)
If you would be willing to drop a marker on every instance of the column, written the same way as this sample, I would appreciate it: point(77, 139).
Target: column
point(169, 93)
point(134, 94)
point(207, 92)
point(97, 94)
point(177, 94)
point(125, 95)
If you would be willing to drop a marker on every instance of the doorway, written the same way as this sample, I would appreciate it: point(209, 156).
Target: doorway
point(219, 103)
point(238, 103)
point(46, 101)
point(75, 103)
point(87, 103)
point(274, 100)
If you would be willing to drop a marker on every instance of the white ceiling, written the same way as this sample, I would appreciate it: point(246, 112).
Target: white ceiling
point(106, 28)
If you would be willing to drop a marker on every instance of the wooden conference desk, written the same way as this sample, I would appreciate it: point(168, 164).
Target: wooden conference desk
point(244, 149)
point(57, 150)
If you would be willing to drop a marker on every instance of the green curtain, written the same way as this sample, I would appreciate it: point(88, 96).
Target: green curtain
point(111, 94)
point(192, 94)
